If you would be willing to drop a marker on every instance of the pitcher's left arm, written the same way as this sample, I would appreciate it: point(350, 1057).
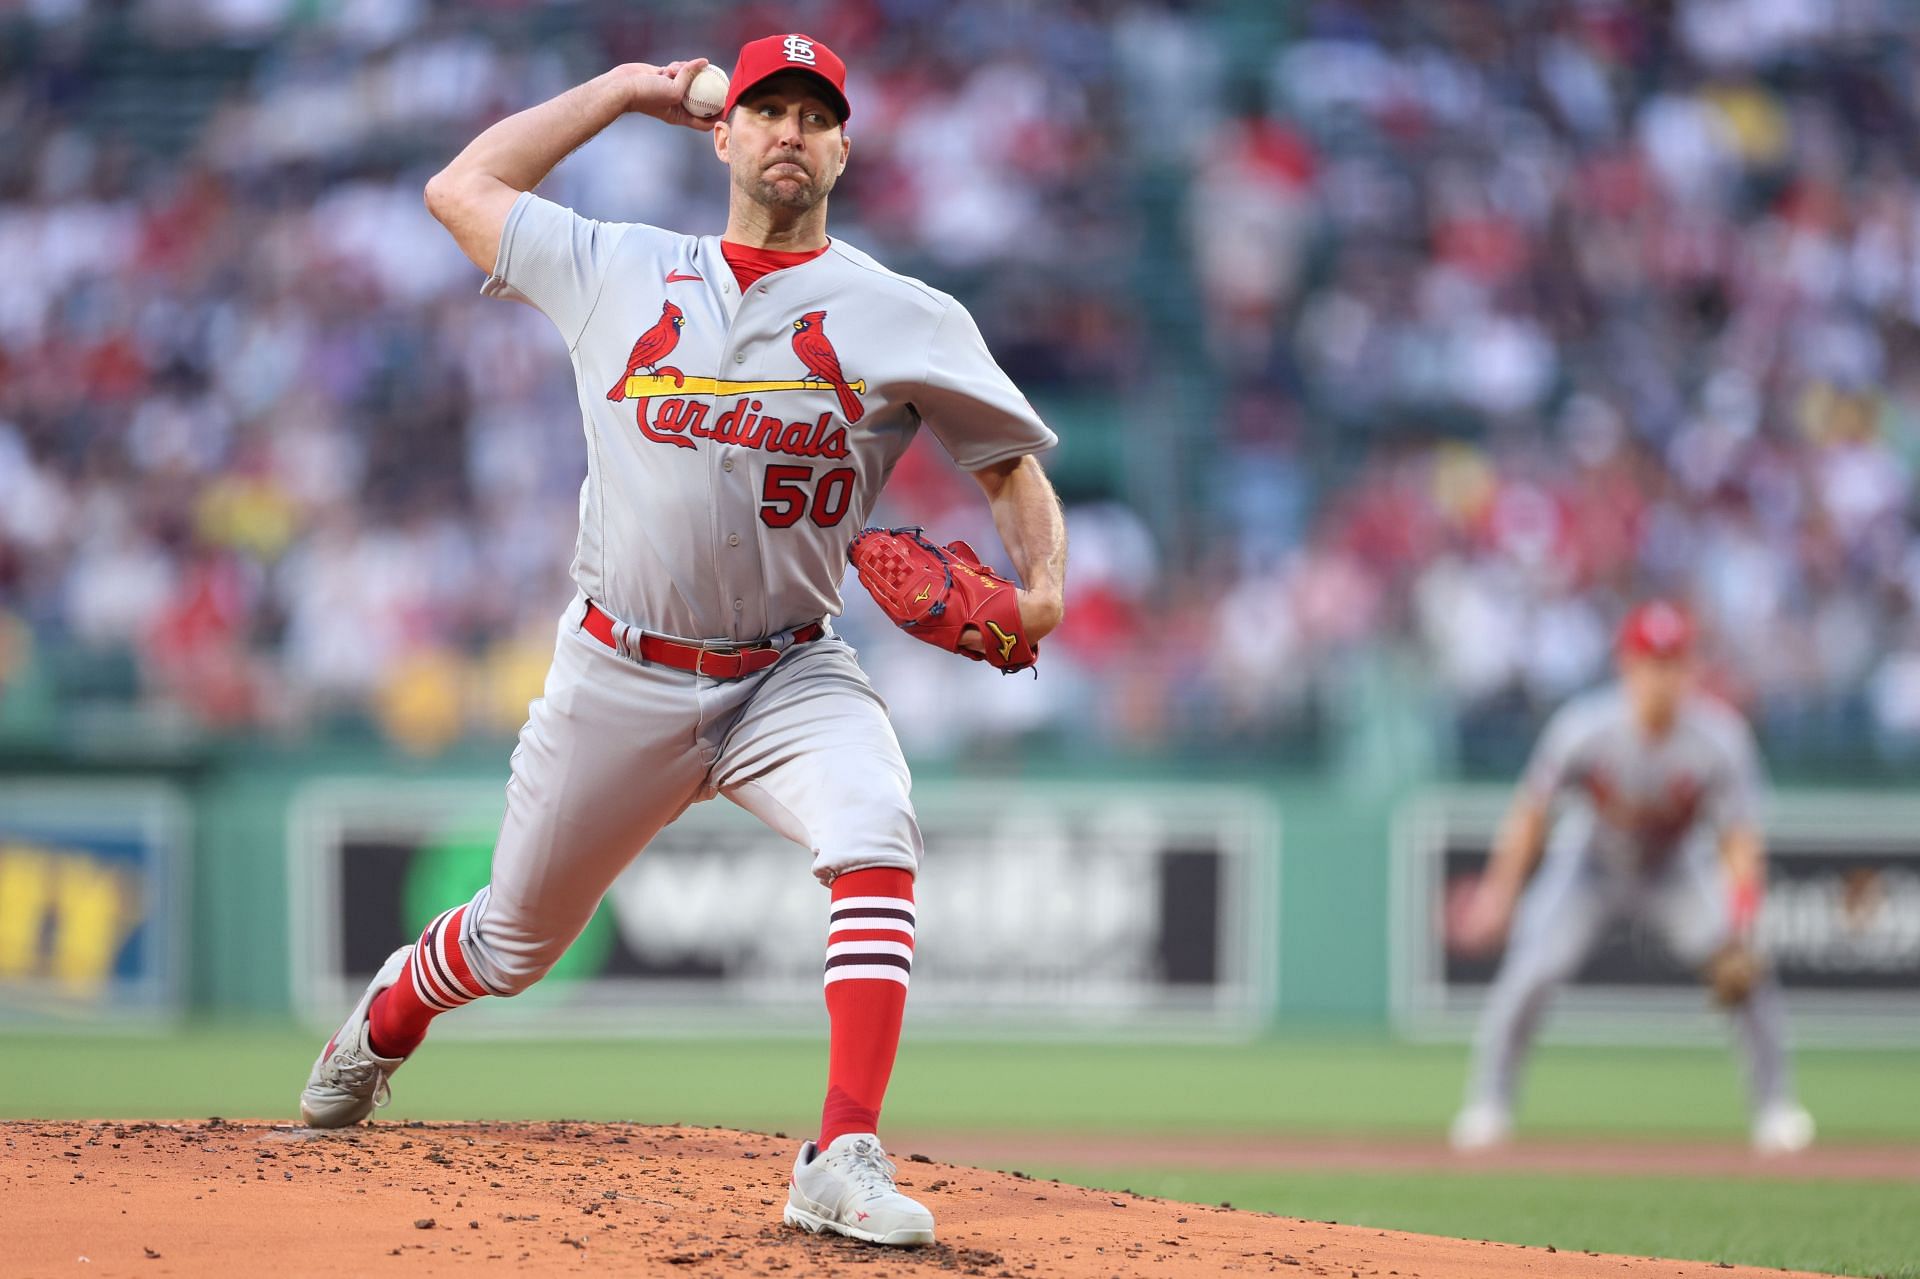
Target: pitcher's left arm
point(945, 595)
point(1026, 511)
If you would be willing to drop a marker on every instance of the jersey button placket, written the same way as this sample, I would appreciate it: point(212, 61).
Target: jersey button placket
point(725, 498)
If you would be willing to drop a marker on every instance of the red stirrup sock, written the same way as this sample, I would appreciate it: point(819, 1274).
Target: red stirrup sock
point(869, 957)
point(435, 980)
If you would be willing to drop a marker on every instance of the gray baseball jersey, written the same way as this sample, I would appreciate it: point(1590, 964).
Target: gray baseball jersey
point(1643, 798)
point(735, 444)
point(736, 441)
point(1628, 845)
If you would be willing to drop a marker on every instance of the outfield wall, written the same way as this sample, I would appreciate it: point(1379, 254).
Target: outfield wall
point(243, 909)
point(1305, 908)
point(1075, 907)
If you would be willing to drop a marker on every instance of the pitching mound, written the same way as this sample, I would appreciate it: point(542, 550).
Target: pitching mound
point(104, 1198)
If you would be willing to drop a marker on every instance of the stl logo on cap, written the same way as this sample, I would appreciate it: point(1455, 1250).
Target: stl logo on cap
point(773, 55)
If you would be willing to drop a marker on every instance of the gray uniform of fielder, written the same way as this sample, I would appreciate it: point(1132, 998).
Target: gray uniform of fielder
point(726, 475)
point(1636, 834)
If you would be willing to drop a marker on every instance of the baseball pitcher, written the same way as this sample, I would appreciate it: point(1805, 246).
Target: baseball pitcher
point(1662, 790)
point(744, 398)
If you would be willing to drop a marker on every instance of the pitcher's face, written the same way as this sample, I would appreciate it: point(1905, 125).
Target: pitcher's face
point(784, 143)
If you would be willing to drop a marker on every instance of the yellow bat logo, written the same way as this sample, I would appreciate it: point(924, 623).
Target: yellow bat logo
point(1006, 641)
point(646, 387)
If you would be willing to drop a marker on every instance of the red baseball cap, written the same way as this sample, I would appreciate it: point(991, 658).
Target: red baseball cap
point(1658, 629)
point(770, 55)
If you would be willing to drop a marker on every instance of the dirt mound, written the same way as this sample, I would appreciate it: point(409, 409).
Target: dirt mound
point(563, 1198)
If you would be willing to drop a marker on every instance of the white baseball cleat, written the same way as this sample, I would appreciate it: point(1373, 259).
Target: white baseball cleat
point(350, 1079)
point(1782, 1128)
point(848, 1188)
point(1483, 1125)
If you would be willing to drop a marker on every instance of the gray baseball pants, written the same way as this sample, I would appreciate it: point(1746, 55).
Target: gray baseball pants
point(616, 749)
point(1562, 915)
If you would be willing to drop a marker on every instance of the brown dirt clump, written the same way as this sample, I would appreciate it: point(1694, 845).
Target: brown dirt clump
point(214, 1198)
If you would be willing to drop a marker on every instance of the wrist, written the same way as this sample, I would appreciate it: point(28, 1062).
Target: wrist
point(616, 92)
point(1041, 610)
point(1743, 902)
point(640, 88)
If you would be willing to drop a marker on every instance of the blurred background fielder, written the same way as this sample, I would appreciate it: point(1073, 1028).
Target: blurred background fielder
point(1661, 819)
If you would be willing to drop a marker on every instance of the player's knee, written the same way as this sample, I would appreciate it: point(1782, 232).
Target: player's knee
point(1550, 977)
point(517, 975)
point(876, 829)
point(511, 963)
point(511, 944)
point(1528, 985)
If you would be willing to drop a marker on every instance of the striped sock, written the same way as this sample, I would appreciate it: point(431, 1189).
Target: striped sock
point(435, 980)
point(869, 957)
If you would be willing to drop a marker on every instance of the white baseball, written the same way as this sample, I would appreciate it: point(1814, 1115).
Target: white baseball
point(707, 94)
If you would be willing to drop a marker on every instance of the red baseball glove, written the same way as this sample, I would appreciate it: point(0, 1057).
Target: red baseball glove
point(936, 593)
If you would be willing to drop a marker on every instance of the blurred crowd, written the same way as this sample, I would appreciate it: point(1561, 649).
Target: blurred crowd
point(1621, 298)
point(1419, 337)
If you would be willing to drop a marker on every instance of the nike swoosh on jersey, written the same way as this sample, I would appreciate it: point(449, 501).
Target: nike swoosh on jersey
point(674, 277)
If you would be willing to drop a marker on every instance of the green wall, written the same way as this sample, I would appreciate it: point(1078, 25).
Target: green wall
point(1332, 944)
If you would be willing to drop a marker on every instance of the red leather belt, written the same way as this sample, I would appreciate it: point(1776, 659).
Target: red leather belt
point(728, 661)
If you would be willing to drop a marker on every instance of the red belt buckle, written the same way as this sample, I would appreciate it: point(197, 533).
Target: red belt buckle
point(733, 655)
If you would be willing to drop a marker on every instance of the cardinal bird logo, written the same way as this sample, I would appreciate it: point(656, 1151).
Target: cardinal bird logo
point(816, 352)
point(653, 346)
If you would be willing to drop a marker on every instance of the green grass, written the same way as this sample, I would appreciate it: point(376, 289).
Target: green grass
point(1357, 1085)
point(1300, 1085)
point(1853, 1228)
